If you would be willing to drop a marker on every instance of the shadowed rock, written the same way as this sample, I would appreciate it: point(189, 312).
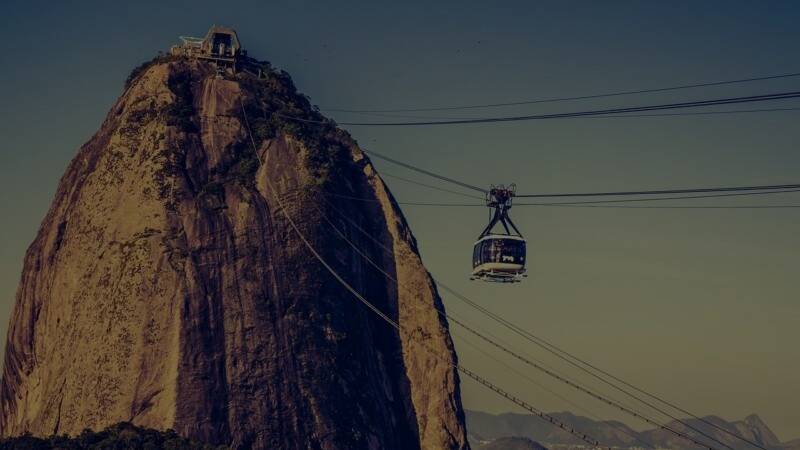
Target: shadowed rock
point(166, 288)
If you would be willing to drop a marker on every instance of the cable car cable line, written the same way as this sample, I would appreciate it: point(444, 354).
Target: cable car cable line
point(407, 180)
point(575, 405)
point(411, 181)
point(596, 112)
point(551, 348)
point(610, 206)
point(563, 99)
point(729, 193)
point(620, 116)
point(586, 194)
point(516, 400)
point(424, 172)
point(604, 203)
point(528, 361)
point(689, 113)
point(666, 191)
point(536, 382)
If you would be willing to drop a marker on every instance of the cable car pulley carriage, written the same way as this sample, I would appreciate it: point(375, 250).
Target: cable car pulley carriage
point(499, 257)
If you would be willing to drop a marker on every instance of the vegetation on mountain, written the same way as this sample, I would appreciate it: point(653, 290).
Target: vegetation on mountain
point(120, 436)
point(277, 107)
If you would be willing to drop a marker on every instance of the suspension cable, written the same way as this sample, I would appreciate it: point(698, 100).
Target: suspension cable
point(772, 187)
point(667, 191)
point(423, 171)
point(562, 99)
point(429, 186)
point(622, 428)
point(737, 193)
point(564, 355)
point(605, 203)
point(588, 113)
point(619, 116)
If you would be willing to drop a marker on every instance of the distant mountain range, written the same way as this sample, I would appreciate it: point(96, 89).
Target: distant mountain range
point(511, 443)
point(485, 429)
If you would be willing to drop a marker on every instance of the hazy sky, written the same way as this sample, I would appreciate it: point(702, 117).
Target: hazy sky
point(700, 306)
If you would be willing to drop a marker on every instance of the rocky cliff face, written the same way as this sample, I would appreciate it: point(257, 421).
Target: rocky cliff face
point(166, 288)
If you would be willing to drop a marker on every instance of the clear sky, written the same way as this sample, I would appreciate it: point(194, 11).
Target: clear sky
point(698, 305)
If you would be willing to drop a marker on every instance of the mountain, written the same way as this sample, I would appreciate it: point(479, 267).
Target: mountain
point(487, 427)
point(751, 428)
point(794, 444)
point(166, 286)
point(512, 443)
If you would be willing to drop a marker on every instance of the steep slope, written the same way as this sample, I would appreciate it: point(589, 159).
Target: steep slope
point(166, 288)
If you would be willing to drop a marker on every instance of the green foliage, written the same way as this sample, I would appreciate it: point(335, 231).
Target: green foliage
point(180, 113)
point(212, 188)
point(277, 108)
point(239, 165)
point(141, 68)
point(271, 107)
point(245, 170)
point(138, 70)
point(120, 436)
point(210, 202)
point(139, 117)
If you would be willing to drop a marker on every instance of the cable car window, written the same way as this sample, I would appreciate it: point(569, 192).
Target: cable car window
point(498, 250)
point(515, 251)
point(487, 254)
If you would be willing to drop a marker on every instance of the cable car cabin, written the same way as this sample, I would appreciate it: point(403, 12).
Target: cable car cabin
point(499, 257)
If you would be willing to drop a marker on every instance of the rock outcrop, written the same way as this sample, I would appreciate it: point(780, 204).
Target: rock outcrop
point(166, 288)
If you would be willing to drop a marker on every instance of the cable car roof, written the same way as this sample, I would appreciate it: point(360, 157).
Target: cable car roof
point(500, 236)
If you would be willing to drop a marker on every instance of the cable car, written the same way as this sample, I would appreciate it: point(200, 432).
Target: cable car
point(499, 257)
